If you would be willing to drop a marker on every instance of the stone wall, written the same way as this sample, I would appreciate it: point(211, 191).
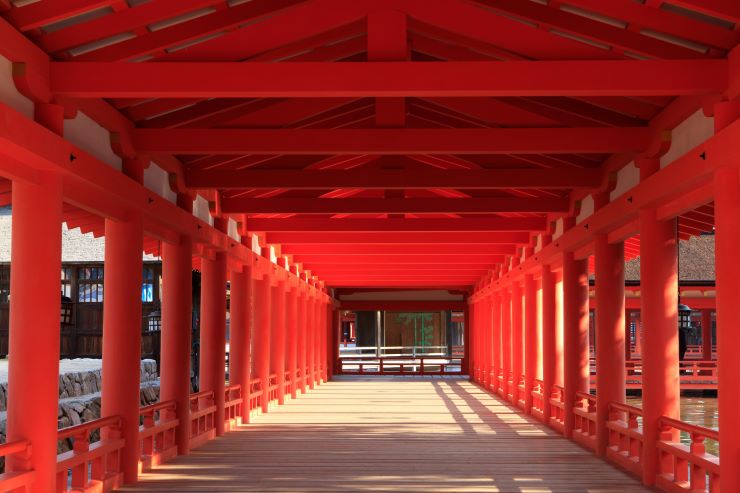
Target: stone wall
point(79, 399)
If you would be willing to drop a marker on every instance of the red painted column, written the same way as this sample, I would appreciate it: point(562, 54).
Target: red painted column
point(727, 239)
point(326, 324)
point(552, 354)
point(506, 341)
point(302, 337)
point(278, 344)
point(706, 334)
point(262, 330)
point(239, 334)
point(333, 341)
point(610, 369)
point(213, 332)
point(517, 346)
point(292, 322)
point(319, 343)
point(496, 339)
point(659, 289)
point(532, 354)
point(122, 334)
point(576, 372)
point(311, 337)
point(33, 376)
point(472, 352)
point(177, 312)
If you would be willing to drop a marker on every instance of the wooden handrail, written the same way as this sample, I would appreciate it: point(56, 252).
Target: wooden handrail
point(72, 431)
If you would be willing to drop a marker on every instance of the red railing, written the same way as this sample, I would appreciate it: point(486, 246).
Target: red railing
point(232, 406)
point(157, 433)
point(287, 382)
point(538, 400)
point(625, 437)
point(20, 479)
point(391, 365)
point(521, 397)
point(95, 465)
point(202, 418)
point(501, 383)
point(686, 467)
point(584, 420)
point(695, 374)
point(557, 408)
point(255, 394)
point(272, 389)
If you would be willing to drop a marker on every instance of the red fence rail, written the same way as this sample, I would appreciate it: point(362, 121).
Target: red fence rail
point(202, 418)
point(20, 478)
point(686, 467)
point(422, 365)
point(157, 433)
point(538, 400)
point(584, 420)
point(91, 465)
point(557, 408)
point(232, 406)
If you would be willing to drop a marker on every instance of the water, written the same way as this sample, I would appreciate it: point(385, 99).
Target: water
point(699, 411)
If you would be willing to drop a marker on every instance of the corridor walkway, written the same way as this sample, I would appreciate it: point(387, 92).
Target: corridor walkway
point(391, 434)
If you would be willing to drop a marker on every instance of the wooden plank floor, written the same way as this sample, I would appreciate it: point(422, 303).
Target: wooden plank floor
point(374, 434)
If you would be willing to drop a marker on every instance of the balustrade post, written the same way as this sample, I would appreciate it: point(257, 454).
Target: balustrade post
point(33, 367)
point(122, 324)
point(213, 333)
point(610, 343)
point(177, 298)
point(576, 372)
point(658, 291)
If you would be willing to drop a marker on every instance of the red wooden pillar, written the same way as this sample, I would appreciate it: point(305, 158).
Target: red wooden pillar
point(610, 309)
point(496, 339)
point(517, 326)
point(532, 355)
point(659, 289)
point(302, 337)
point(706, 334)
point(575, 333)
point(505, 341)
point(333, 341)
point(33, 367)
point(122, 334)
point(311, 337)
point(472, 352)
point(213, 332)
point(277, 345)
point(552, 341)
point(292, 323)
point(262, 329)
point(727, 240)
point(326, 325)
point(177, 313)
point(319, 343)
point(239, 334)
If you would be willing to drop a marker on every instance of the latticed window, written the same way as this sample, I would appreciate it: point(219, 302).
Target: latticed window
point(147, 285)
point(90, 285)
point(67, 282)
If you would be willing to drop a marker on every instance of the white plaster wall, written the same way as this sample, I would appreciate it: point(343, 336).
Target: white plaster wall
point(9, 94)
point(627, 177)
point(587, 208)
point(690, 133)
point(256, 248)
point(201, 210)
point(232, 230)
point(86, 134)
point(156, 180)
point(558, 229)
point(538, 245)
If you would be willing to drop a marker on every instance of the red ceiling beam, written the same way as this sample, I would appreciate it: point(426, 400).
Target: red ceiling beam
point(387, 226)
point(393, 141)
point(384, 238)
point(394, 179)
point(39, 14)
point(392, 206)
point(725, 9)
point(389, 79)
point(478, 251)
